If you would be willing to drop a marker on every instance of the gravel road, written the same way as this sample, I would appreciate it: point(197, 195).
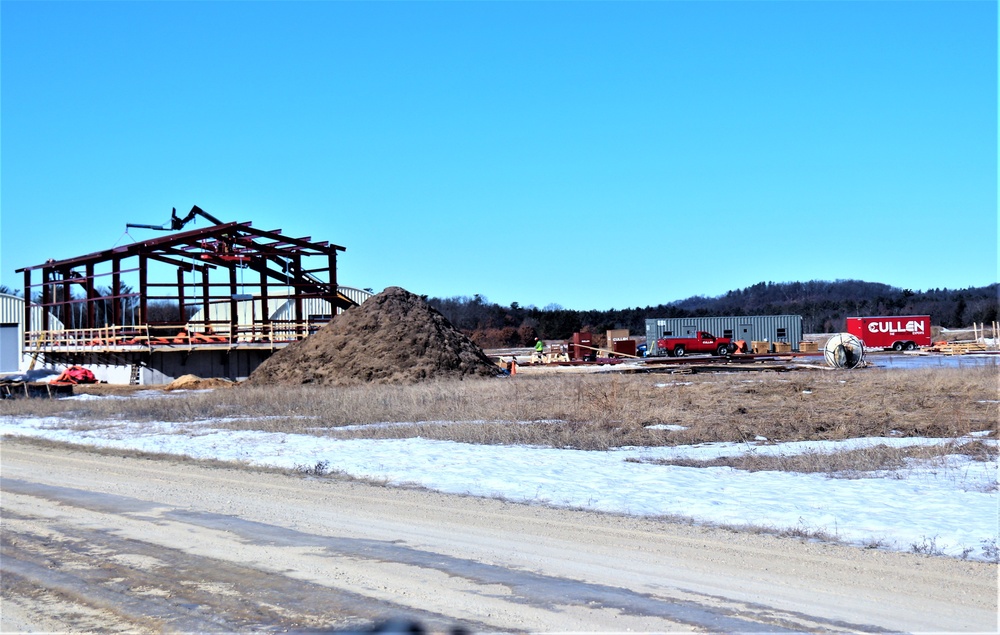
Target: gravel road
point(94, 542)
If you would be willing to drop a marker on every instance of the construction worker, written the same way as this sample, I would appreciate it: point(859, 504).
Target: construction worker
point(539, 346)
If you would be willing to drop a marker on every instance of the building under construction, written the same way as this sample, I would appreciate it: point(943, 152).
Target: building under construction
point(214, 302)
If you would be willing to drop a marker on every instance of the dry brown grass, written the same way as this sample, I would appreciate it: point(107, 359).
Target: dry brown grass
point(591, 411)
point(855, 463)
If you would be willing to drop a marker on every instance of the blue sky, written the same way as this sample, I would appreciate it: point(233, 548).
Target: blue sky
point(591, 155)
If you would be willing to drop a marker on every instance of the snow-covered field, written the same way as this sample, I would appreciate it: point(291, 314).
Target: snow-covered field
point(948, 507)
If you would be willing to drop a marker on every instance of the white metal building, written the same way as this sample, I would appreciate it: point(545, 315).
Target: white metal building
point(772, 328)
point(278, 309)
point(12, 331)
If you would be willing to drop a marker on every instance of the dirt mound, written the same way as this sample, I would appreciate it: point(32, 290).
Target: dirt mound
point(194, 382)
point(395, 337)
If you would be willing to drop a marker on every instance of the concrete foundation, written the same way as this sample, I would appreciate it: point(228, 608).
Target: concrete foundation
point(161, 368)
point(235, 365)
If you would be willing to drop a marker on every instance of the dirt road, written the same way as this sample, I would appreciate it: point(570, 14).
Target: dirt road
point(103, 543)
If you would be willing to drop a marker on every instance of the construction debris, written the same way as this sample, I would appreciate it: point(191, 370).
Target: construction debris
point(74, 375)
point(15, 389)
point(395, 337)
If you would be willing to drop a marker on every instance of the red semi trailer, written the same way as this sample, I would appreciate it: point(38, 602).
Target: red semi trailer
point(899, 332)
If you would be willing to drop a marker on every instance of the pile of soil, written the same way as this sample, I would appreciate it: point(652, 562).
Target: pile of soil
point(395, 337)
point(194, 382)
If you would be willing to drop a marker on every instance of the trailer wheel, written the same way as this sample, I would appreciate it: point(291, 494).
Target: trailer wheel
point(723, 350)
point(679, 351)
point(909, 346)
point(897, 346)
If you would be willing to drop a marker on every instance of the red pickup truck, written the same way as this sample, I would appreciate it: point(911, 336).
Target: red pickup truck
point(702, 342)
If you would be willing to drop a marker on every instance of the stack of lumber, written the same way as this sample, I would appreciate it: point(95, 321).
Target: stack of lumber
point(959, 348)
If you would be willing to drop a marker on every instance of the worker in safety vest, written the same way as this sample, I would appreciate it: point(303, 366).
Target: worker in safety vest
point(539, 346)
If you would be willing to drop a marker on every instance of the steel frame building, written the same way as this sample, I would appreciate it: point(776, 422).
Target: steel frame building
point(104, 302)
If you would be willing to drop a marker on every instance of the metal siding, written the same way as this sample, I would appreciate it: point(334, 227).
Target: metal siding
point(10, 350)
point(278, 308)
point(12, 312)
point(765, 327)
point(310, 306)
point(11, 309)
point(246, 311)
point(356, 295)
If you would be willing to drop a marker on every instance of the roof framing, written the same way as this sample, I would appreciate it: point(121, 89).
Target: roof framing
point(211, 266)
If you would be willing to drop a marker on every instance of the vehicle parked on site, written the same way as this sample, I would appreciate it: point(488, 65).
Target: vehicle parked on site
point(702, 342)
point(899, 333)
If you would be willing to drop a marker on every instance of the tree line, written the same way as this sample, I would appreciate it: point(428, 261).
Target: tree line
point(823, 305)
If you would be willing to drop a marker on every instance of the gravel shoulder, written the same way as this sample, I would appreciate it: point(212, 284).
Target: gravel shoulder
point(102, 543)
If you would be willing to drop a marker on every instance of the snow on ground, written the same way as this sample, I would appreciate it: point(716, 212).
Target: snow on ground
point(947, 507)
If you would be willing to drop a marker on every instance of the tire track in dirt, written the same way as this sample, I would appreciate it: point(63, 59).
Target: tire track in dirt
point(157, 588)
point(174, 595)
point(164, 542)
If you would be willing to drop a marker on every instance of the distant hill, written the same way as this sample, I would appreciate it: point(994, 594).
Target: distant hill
point(823, 306)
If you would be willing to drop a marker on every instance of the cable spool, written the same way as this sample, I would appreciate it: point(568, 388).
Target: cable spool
point(844, 350)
